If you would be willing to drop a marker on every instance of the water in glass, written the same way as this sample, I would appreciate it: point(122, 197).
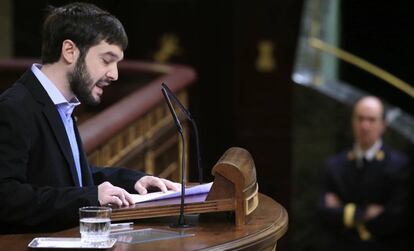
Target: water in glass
point(95, 229)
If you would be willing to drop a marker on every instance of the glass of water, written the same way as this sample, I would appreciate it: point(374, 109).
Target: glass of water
point(95, 224)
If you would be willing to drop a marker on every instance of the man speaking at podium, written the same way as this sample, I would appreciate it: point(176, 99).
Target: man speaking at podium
point(44, 174)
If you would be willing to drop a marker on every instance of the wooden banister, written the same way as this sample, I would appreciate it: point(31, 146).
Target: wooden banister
point(97, 130)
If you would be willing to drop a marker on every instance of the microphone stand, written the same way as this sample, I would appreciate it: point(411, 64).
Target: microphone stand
point(190, 118)
point(200, 169)
point(181, 219)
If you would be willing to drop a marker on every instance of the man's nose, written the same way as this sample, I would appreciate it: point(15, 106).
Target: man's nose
point(366, 124)
point(112, 74)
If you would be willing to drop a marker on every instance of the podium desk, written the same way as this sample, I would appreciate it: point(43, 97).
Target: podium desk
point(266, 225)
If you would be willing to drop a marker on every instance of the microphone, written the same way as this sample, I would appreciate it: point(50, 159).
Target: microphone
point(181, 219)
point(172, 111)
point(169, 93)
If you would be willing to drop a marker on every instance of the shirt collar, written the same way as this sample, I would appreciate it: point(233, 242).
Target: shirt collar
point(370, 153)
point(57, 97)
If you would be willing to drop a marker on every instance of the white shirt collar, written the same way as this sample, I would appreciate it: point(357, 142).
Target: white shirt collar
point(370, 153)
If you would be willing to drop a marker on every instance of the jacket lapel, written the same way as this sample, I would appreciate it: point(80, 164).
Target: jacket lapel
point(53, 118)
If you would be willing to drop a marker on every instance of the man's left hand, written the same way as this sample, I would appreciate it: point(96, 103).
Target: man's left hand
point(146, 182)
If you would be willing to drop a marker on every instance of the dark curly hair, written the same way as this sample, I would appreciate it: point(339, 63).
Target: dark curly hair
point(83, 23)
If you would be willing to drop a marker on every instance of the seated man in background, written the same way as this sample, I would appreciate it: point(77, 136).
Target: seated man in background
point(365, 196)
point(44, 174)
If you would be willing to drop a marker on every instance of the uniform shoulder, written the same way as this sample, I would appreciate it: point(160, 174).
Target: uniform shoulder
point(338, 159)
point(342, 155)
point(395, 156)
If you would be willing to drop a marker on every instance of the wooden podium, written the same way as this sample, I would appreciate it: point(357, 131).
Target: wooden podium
point(235, 189)
point(266, 225)
point(259, 221)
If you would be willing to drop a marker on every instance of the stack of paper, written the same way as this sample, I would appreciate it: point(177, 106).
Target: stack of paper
point(199, 189)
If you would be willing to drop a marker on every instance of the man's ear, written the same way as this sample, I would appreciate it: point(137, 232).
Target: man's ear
point(70, 52)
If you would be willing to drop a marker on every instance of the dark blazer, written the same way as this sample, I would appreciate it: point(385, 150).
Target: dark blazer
point(39, 187)
point(385, 181)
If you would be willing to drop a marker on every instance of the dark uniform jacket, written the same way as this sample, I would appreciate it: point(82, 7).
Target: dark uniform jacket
point(384, 181)
point(39, 187)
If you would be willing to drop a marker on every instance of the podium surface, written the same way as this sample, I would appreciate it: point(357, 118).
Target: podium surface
point(265, 226)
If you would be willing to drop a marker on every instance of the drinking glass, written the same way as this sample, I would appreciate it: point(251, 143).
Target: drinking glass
point(95, 224)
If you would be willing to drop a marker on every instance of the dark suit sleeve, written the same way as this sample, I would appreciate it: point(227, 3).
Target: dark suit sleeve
point(334, 217)
point(27, 206)
point(395, 217)
point(117, 176)
point(330, 216)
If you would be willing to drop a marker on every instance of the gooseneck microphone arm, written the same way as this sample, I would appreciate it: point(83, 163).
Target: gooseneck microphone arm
point(172, 111)
point(200, 169)
point(181, 219)
point(190, 118)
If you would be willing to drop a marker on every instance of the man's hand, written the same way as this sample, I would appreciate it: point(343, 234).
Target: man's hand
point(150, 181)
point(372, 211)
point(110, 194)
point(332, 200)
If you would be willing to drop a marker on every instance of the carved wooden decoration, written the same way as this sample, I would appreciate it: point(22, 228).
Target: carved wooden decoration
point(235, 177)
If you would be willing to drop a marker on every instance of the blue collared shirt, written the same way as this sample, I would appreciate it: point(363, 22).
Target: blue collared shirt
point(65, 109)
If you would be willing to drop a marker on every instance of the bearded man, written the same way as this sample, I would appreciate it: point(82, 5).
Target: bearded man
point(44, 174)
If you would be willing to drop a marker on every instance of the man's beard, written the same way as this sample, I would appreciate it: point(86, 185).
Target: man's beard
point(82, 84)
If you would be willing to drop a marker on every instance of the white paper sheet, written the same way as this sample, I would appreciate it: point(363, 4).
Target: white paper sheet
point(71, 243)
point(199, 189)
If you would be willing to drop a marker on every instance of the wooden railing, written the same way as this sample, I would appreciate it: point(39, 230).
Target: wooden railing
point(136, 130)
